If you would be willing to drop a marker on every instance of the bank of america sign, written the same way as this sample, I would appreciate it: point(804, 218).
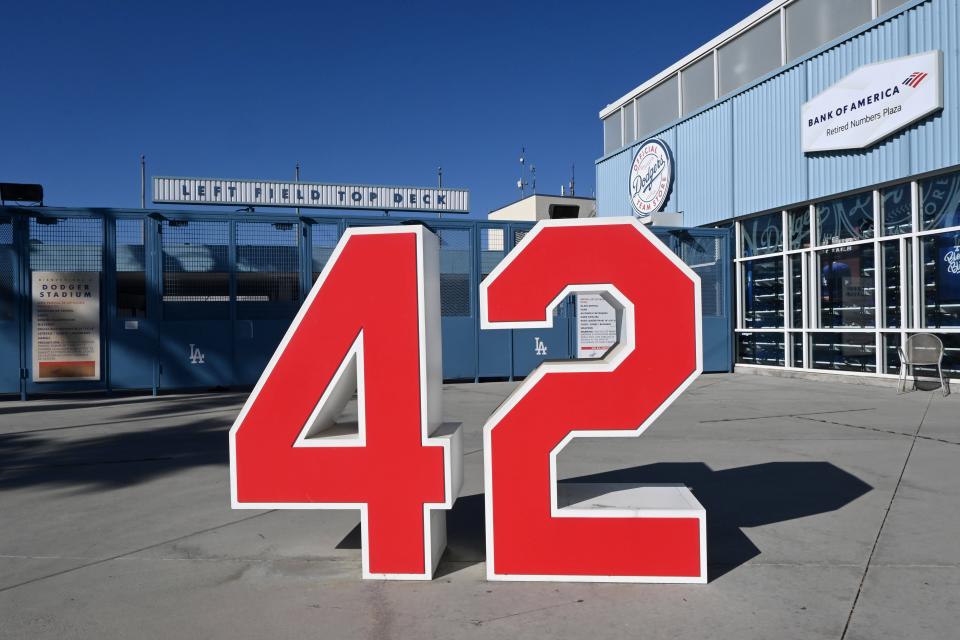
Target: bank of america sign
point(873, 102)
point(257, 193)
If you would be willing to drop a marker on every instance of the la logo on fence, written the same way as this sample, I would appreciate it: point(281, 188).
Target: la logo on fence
point(196, 356)
point(538, 347)
point(401, 467)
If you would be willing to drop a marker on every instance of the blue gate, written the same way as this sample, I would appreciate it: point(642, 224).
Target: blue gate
point(201, 299)
point(707, 252)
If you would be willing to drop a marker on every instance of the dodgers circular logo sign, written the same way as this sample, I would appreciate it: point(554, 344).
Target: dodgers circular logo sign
point(651, 176)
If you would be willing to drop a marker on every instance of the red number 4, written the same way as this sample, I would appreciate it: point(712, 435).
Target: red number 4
point(370, 323)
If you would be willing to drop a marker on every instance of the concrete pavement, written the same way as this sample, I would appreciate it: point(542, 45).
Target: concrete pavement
point(833, 511)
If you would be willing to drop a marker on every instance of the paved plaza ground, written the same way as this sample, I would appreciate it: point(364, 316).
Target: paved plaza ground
point(833, 511)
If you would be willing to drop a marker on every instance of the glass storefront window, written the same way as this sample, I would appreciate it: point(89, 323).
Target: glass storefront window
point(761, 235)
point(796, 291)
point(896, 210)
point(760, 348)
point(940, 202)
point(798, 221)
point(844, 351)
point(847, 286)
point(796, 346)
point(836, 283)
point(890, 275)
point(763, 293)
point(891, 359)
point(845, 219)
point(940, 255)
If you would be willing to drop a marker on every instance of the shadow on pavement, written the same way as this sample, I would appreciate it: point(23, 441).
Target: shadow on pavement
point(111, 460)
point(735, 498)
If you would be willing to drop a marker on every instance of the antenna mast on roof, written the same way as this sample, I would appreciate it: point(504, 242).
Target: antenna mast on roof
point(296, 176)
point(520, 182)
point(572, 170)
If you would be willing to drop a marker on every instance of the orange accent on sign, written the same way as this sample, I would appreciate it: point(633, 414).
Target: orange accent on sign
point(68, 369)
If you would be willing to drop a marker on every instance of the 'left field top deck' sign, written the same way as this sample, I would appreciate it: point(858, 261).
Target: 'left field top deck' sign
point(308, 194)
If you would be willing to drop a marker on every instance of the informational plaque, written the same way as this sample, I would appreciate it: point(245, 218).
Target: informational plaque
point(596, 325)
point(66, 325)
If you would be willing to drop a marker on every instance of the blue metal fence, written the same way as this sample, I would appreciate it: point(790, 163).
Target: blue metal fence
point(201, 299)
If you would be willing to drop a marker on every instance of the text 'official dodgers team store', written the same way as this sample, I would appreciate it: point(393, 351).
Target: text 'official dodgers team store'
point(826, 134)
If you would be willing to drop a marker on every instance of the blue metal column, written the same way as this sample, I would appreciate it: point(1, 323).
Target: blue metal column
point(475, 268)
point(305, 251)
point(21, 240)
point(232, 279)
point(108, 294)
point(153, 274)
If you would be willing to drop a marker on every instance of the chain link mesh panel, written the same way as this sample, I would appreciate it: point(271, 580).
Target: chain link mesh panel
point(492, 250)
point(195, 261)
point(66, 244)
point(267, 262)
point(704, 255)
point(455, 258)
point(7, 263)
point(129, 241)
point(131, 267)
point(324, 237)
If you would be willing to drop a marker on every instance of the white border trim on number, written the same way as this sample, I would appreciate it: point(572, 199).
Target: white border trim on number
point(433, 548)
point(608, 363)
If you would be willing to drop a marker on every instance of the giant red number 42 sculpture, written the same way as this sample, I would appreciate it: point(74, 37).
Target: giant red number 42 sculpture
point(537, 529)
point(370, 323)
point(373, 319)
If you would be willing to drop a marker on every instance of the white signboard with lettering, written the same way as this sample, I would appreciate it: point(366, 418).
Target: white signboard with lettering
point(873, 102)
point(66, 325)
point(308, 195)
point(596, 325)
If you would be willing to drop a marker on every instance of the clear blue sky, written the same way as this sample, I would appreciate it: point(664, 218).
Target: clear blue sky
point(358, 91)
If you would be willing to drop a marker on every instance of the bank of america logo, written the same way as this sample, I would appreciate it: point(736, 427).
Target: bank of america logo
point(914, 79)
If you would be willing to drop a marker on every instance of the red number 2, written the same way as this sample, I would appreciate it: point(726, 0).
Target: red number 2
point(370, 323)
point(537, 529)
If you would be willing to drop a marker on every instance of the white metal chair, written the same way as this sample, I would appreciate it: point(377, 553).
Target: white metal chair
point(921, 349)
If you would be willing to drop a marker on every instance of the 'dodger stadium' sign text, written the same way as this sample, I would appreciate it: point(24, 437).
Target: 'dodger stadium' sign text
point(308, 194)
point(873, 102)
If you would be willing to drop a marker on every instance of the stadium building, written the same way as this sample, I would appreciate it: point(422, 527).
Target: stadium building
point(825, 135)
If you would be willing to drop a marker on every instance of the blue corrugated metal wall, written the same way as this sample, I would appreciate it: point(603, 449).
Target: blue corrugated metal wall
point(704, 151)
point(936, 25)
point(765, 175)
point(743, 154)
